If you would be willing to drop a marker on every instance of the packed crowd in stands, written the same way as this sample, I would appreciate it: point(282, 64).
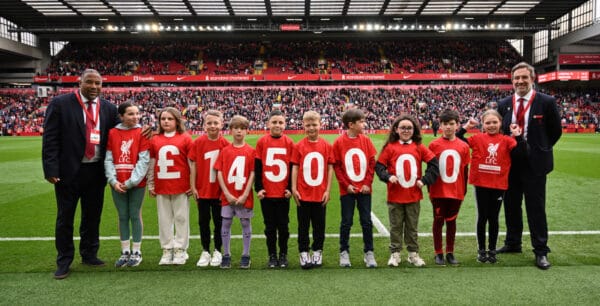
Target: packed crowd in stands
point(312, 57)
point(24, 112)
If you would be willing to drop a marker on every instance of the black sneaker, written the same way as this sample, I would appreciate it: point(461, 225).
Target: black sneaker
point(492, 257)
point(245, 262)
point(439, 260)
point(273, 262)
point(482, 256)
point(451, 260)
point(283, 262)
point(226, 262)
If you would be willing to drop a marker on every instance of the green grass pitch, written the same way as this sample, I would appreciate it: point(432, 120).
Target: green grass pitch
point(28, 210)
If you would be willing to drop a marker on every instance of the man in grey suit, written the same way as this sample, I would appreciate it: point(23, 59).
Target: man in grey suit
point(538, 116)
point(73, 149)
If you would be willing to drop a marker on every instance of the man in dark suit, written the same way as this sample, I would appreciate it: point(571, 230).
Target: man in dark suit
point(539, 118)
point(73, 149)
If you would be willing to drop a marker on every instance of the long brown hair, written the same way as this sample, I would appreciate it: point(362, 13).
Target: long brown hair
point(394, 136)
point(179, 127)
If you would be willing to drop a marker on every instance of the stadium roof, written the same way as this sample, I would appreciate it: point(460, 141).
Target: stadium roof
point(45, 17)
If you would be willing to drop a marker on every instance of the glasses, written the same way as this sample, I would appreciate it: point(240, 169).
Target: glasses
point(405, 128)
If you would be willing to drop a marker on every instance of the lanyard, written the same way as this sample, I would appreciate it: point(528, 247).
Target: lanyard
point(525, 107)
point(87, 114)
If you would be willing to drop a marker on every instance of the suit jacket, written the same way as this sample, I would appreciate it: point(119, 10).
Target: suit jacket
point(63, 141)
point(543, 131)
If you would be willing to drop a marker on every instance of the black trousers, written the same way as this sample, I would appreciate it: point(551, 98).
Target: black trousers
point(210, 209)
point(311, 212)
point(522, 183)
point(87, 186)
point(276, 218)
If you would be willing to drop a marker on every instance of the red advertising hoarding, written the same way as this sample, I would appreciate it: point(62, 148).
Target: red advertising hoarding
point(579, 59)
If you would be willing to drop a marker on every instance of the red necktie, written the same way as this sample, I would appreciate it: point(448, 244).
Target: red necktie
point(521, 114)
point(90, 149)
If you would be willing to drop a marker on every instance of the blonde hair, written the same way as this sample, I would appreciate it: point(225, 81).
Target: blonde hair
point(239, 122)
point(179, 126)
point(311, 115)
point(491, 112)
point(215, 113)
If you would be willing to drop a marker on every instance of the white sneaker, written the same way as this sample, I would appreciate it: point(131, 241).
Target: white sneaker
point(345, 259)
point(317, 258)
point(305, 261)
point(204, 259)
point(167, 257)
point(180, 257)
point(415, 259)
point(217, 257)
point(370, 260)
point(395, 259)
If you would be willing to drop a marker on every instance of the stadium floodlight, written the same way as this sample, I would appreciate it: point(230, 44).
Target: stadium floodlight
point(464, 26)
point(168, 28)
point(397, 27)
point(345, 28)
point(139, 27)
point(369, 27)
point(507, 26)
point(161, 28)
point(456, 26)
point(185, 27)
point(420, 27)
point(193, 28)
point(176, 28)
point(209, 28)
point(361, 27)
point(404, 27)
point(154, 27)
point(355, 27)
point(493, 26)
point(229, 27)
point(93, 29)
point(412, 27)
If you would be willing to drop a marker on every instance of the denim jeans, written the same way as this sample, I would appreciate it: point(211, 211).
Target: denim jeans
point(363, 203)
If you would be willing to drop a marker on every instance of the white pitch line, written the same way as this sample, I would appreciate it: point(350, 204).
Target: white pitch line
point(261, 236)
point(383, 231)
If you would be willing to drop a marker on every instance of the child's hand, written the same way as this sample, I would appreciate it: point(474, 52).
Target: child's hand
point(152, 193)
point(471, 124)
point(325, 198)
point(287, 194)
point(515, 130)
point(351, 189)
point(261, 194)
point(120, 188)
point(195, 192)
point(189, 192)
point(230, 199)
point(365, 189)
point(420, 184)
point(297, 197)
point(241, 200)
point(393, 179)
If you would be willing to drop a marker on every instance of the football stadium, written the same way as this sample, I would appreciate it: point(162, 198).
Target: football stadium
point(353, 112)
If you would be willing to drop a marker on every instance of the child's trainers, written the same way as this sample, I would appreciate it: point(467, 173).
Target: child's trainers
point(369, 260)
point(482, 256)
point(492, 257)
point(180, 257)
point(451, 260)
point(305, 261)
point(394, 260)
point(317, 258)
point(273, 262)
point(283, 262)
point(245, 262)
point(122, 261)
point(345, 259)
point(204, 259)
point(167, 257)
point(415, 259)
point(439, 260)
point(135, 259)
point(216, 259)
point(226, 262)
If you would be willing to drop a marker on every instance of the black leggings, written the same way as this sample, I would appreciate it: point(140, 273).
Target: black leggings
point(488, 203)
